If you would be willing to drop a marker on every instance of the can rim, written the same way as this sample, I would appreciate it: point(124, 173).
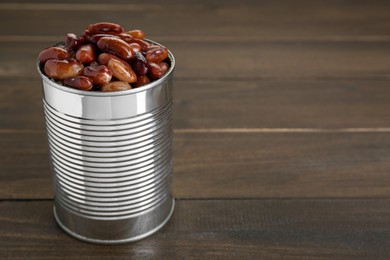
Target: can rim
point(114, 93)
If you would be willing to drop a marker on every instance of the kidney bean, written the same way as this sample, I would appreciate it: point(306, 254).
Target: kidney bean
point(95, 38)
point(153, 46)
point(101, 28)
point(123, 56)
point(136, 34)
point(53, 53)
point(122, 72)
point(139, 64)
point(115, 86)
point(126, 37)
point(104, 58)
point(115, 46)
point(104, 27)
point(62, 69)
point(99, 75)
point(135, 47)
point(86, 54)
point(156, 55)
point(141, 81)
point(129, 39)
point(79, 82)
point(72, 42)
point(157, 70)
point(164, 66)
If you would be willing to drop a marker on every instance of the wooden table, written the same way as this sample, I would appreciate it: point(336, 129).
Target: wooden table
point(282, 128)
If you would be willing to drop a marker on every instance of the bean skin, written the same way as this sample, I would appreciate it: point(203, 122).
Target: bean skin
point(62, 69)
point(126, 37)
point(95, 38)
point(122, 72)
point(141, 81)
point(135, 47)
point(139, 64)
point(136, 34)
point(86, 54)
point(53, 53)
point(99, 75)
point(105, 57)
point(156, 55)
point(115, 86)
point(157, 70)
point(104, 27)
point(101, 28)
point(79, 82)
point(72, 42)
point(129, 39)
point(115, 46)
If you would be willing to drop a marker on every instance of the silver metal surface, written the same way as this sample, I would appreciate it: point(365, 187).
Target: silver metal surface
point(111, 159)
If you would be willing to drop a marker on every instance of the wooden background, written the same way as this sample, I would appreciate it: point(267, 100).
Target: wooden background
point(282, 128)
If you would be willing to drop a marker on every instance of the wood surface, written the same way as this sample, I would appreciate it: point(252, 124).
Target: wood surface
point(281, 128)
point(217, 229)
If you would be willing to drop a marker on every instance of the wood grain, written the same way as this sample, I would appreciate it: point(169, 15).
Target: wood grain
point(241, 60)
point(281, 104)
point(251, 19)
point(215, 229)
point(228, 165)
point(283, 165)
point(236, 104)
point(282, 135)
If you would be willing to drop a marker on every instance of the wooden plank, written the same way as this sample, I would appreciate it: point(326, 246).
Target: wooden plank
point(283, 165)
point(21, 104)
point(237, 104)
point(24, 166)
point(241, 60)
point(215, 229)
point(302, 19)
point(281, 104)
point(233, 165)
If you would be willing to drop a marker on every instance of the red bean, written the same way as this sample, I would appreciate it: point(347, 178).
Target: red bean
point(126, 37)
point(129, 39)
point(122, 72)
point(115, 86)
point(139, 64)
point(156, 55)
point(53, 53)
point(141, 81)
point(72, 42)
point(104, 27)
point(99, 75)
point(79, 82)
point(86, 54)
point(136, 34)
point(95, 38)
point(104, 58)
point(101, 28)
point(62, 69)
point(157, 70)
point(135, 47)
point(103, 54)
point(115, 46)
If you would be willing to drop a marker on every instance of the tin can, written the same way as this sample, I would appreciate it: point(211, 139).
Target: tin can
point(111, 159)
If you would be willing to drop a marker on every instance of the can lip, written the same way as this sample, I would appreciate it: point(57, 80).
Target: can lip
point(114, 93)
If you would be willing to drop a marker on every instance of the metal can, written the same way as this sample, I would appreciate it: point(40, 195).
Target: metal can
point(111, 159)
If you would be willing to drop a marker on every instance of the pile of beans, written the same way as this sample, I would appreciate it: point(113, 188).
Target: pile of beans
point(105, 58)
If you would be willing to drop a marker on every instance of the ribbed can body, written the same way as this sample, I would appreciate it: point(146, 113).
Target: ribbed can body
point(111, 158)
